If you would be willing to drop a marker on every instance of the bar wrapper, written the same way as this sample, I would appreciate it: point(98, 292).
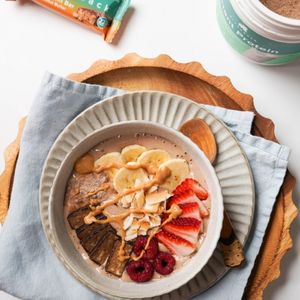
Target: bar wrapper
point(102, 16)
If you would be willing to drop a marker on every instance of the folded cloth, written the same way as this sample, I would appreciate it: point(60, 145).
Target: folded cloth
point(29, 268)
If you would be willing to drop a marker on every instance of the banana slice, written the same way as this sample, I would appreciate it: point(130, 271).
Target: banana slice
point(108, 159)
point(125, 178)
point(132, 152)
point(179, 170)
point(154, 158)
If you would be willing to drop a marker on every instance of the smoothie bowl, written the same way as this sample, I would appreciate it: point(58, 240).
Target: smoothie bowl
point(135, 210)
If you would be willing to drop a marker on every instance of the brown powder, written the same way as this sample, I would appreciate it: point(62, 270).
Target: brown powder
point(286, 8)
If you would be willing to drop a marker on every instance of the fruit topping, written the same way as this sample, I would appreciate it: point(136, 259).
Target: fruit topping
point(164, 263)
point(109, 158)
point(132, 152)
point(188, 197)
point(182, 198)
point(186, 228)
point(179, 169)
point(194, 185)
point(190, 210)
point(140, 244)
point(138, 206)
point(140, 271)
point(203, 210)
point(175, 244)
point(154, 157)
point(126, 178)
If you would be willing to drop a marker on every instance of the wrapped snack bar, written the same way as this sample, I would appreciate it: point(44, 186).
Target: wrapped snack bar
point(102, 16)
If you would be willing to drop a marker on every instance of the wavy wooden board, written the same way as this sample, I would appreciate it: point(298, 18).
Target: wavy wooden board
point(6, 178)
point(133, 72)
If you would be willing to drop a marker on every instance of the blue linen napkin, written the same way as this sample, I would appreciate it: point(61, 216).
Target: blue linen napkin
point(29, 268)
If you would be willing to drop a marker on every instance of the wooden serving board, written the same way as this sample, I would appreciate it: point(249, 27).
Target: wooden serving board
point(190, 80)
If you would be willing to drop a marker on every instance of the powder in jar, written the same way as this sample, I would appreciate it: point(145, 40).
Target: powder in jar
point(286, 8)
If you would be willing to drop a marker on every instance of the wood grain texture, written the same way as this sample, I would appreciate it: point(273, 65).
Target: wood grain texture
point(190, 80)
point(6, 178)
point(200, 133)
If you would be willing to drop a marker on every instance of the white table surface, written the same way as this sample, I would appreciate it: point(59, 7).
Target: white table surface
point(34, 40)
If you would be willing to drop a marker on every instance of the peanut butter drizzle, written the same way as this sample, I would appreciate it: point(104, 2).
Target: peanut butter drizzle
point(161, 175)
point(118, 165)
point(119, 219)
point(121, 253)
point(174, 212)
point(159, 178)
point(150, 237)
point(85, 165)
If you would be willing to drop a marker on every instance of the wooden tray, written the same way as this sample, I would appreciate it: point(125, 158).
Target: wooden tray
point(133, 72)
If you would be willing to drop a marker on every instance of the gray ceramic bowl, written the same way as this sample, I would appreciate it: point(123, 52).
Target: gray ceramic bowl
point(83, 271)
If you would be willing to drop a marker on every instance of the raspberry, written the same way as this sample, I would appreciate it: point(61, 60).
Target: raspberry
point(140, 271)
point(164, 263)
point(141, 242)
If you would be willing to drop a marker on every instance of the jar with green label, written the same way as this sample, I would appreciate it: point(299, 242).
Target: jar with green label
point(258, 33)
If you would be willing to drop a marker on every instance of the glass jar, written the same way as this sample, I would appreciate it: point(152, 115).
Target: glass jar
point(258, 33)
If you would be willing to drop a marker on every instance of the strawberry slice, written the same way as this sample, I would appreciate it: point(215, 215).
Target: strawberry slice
point(190, 210)
point(175, 244)
point(204, 213)
point(186, 228)
point(188, 197)
point(194, 185)
point(182, 198)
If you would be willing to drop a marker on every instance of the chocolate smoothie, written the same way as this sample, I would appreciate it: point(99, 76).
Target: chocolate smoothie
point(99, 243)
